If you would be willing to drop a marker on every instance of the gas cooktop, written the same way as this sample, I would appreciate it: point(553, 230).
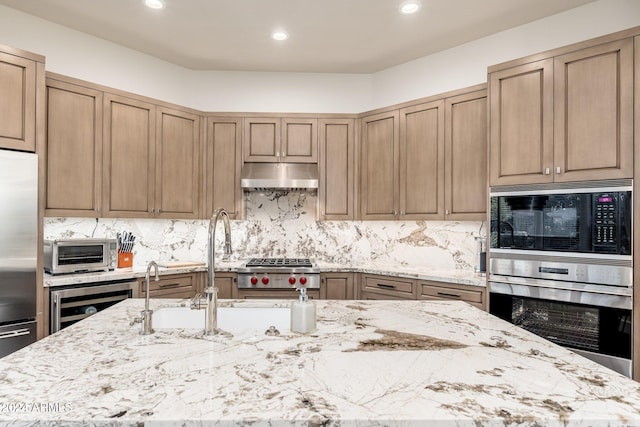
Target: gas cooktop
point(279, 262)
point(279, 273)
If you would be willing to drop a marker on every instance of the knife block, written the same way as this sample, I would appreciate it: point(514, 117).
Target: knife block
point(125, 259)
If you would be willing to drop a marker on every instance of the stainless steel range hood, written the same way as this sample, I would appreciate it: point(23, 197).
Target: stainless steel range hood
point(259, 176)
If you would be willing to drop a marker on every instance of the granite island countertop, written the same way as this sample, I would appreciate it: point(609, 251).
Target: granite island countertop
point(369, 363)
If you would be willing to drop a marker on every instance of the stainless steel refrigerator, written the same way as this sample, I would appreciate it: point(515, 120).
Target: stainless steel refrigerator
point(18, 249)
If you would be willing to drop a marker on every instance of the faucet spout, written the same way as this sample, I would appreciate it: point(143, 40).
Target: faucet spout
point(211, 291)
point(146, 314)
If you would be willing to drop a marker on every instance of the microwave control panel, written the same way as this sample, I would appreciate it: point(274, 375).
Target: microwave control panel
point(605, 219)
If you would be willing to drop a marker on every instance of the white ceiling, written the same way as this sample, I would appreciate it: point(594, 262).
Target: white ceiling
point(326, 36)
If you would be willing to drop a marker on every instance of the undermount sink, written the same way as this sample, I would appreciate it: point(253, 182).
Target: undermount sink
point(230, 319)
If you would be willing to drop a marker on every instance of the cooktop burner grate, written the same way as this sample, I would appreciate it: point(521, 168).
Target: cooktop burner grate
point(279, 262)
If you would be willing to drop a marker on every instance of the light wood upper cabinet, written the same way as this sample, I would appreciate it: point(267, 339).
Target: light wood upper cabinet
point(465, 163)
point(426, 161)
point(380, 159)
point(299, 140)
point(151, 160)
point(223, 153)
point(421, 168)
point(521, 127)
point(593, 118)
point(564, 118)
point(292, 140)
point(337, 164)
point(177, 167)
point(74, 150)
point(21, 75)
point(129, 157)
point(261, 139)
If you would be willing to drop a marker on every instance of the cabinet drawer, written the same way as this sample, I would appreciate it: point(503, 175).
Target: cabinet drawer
point(389, 286)
point(175, 286)
point(430, 290)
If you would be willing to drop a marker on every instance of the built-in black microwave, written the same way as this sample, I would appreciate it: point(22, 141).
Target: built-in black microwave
point(585, 219)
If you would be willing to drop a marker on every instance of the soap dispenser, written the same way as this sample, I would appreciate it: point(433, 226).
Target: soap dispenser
point(303, 314)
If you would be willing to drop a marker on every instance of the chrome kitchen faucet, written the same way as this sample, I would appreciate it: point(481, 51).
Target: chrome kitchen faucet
point(146, 314)
point(211, 292)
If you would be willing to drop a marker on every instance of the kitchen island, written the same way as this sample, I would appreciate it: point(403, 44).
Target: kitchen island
point(369, 363)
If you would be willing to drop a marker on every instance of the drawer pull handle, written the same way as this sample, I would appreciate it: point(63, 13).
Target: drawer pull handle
point(169, 285)
point(13, 334)
point(383, 285)
point(444, 294)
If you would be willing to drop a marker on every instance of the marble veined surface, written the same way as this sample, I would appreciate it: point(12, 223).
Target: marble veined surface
point(384, 363)
point(284, 224)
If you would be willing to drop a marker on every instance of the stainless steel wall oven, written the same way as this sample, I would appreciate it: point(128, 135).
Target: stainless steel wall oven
point(561, 265)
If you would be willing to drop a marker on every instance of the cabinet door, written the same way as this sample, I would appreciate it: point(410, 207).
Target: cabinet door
point(465, 180)
point(337, 163)
point(521, 124)
point(17, 103)
point(594, 113)
point(262, 139)
point(74, 152)
point(379, 159)
point(299, 140)
point(129, 157)
point(177, 167)
point(337, 286)
point(422, 161)
point(224, 162)
point(227, 284)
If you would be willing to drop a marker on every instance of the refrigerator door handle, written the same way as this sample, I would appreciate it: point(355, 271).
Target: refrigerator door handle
point(13, 334)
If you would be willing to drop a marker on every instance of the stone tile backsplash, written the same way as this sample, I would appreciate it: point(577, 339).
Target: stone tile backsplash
point(283, 223)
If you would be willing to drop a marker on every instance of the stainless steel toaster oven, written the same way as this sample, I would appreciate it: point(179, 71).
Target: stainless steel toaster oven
point(80, 255)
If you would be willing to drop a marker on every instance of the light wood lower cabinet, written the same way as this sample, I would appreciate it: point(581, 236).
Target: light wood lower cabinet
point(384, 287)
point(474, 295)
point(227, 284)
point(337, 286)
point(171, 286)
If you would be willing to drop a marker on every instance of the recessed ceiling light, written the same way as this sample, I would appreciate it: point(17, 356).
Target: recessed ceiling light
point(154, 4)
point(409, 7)
point(279, 35)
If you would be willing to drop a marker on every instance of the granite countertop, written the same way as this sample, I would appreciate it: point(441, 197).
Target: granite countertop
point(369, 363)
point(464, 277)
